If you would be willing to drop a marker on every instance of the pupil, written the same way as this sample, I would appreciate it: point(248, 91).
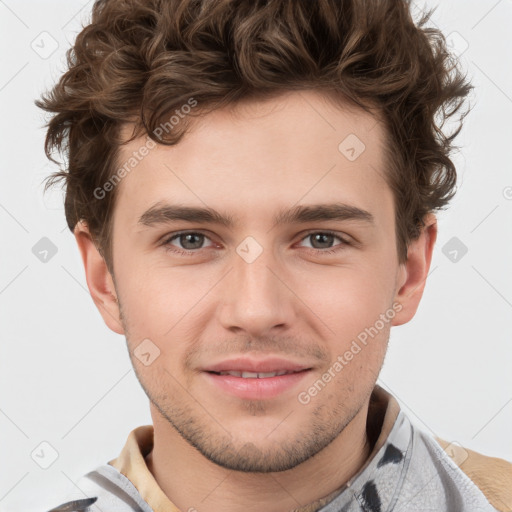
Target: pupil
point(185, 239)
point(322, 235)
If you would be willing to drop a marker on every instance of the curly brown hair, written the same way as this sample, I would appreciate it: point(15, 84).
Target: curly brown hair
point(139, 60)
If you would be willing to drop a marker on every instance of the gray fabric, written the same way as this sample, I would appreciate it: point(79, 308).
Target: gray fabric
point(114, 491)
point(410, 473)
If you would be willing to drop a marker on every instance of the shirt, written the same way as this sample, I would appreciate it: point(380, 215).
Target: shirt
point(407, 470)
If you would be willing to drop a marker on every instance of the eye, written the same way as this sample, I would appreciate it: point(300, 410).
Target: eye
point(324, 239)
point(189, 241)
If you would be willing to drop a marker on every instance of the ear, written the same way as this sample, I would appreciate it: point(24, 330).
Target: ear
point(99, 280)
point(412, 274)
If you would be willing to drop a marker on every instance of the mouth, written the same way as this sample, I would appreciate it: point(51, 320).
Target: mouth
point(255, 375)
point(251, 379)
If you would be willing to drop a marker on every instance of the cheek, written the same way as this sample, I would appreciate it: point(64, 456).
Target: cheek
point(348, 300)
point(165, 303)
point(162, 303)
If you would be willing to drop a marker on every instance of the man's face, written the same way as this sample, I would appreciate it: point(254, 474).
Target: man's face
point(259, 295)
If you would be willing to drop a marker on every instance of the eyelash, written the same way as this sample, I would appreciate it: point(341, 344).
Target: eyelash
point(191, 252)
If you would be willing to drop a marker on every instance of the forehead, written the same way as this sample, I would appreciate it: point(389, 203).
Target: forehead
point(296, 147)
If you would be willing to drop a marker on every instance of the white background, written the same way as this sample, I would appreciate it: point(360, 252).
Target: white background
point(67, 380)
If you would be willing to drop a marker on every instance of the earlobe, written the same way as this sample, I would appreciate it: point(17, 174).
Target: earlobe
point(99, 280)
point(412, 275)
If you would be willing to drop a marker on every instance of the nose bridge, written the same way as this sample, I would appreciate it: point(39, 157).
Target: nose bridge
point(256, 300)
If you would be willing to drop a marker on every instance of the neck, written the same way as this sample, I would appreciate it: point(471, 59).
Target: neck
point(193, 482)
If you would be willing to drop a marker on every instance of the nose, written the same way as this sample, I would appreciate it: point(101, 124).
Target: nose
point(256, 297)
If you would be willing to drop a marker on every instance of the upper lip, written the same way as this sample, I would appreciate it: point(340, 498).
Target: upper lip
point(241, 364)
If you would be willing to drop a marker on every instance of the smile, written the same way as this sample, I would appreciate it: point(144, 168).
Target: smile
point(255, 375)
point(255, 385)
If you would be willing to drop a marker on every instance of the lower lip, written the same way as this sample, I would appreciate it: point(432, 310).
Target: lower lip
point(256, 389)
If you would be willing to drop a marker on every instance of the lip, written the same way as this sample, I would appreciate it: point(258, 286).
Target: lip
point(244, 364)
point(256, 388)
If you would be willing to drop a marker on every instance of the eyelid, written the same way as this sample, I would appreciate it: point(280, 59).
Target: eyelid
point(342, 237)
point(167, 239)
point(345, 239)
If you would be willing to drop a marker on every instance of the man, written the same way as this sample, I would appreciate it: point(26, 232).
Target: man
point(252, 186)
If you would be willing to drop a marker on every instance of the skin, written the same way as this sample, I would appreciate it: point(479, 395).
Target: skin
point(294, 301)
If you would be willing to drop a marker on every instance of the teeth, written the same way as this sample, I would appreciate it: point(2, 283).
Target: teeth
point(255, 375)
point(250, 375)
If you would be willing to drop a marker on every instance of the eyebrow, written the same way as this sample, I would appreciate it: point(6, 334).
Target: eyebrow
point(161, 213)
